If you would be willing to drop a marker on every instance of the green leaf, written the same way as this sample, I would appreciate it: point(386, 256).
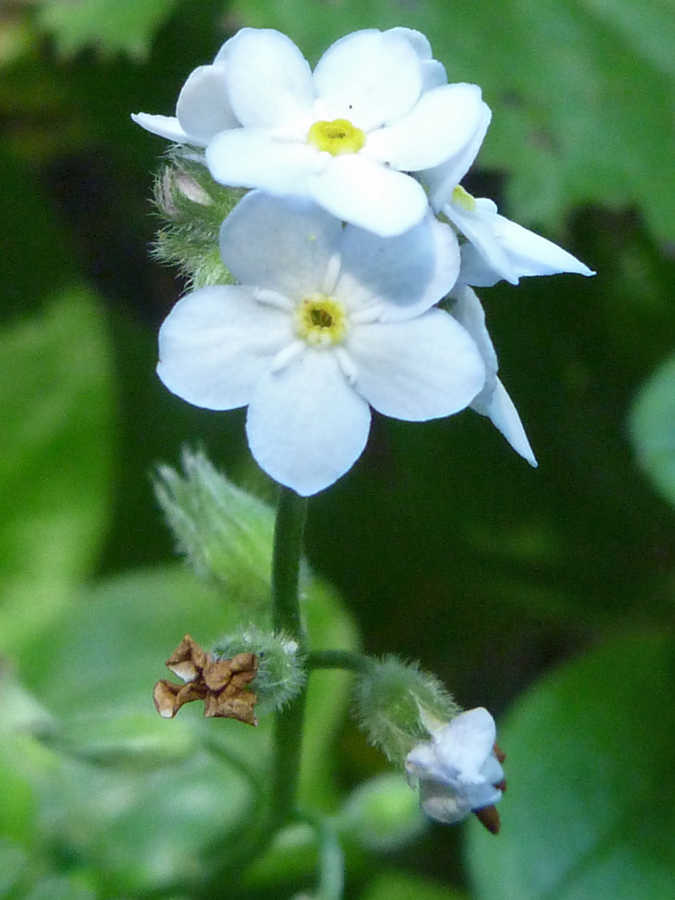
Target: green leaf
point(135, 795)
point(589, 811)
point(582, 111)
point(56, 410)
point(111, 26)
point(400, 886)
point(652, 428)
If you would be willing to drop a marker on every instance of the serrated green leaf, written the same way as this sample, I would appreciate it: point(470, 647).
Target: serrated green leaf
point(111, 26)
point(652, 428)
point(56, 411)
point(588, 811)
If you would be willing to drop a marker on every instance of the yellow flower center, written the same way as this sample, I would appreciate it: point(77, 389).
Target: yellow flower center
point(463, 198)
point(336, 137)
point(321, 321)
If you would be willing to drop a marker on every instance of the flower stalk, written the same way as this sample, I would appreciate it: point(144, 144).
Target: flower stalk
point(288, 722)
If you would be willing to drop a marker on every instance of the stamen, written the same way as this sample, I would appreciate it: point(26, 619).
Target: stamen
point(347, 365)
point(273, 298)
point(464, 199)
point(368, 315)
point(332, 273)
point(287, 355)
point(336, 137)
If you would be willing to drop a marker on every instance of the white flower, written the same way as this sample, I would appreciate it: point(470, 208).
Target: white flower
point(458, 771)
point(493, 401)
point(203, 108)
point(501, 249)
point(374, 109)
point(326, 321)
point(498, 248)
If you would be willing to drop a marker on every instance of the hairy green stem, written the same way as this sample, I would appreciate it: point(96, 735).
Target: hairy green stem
point(339, 659)
point(288, 535)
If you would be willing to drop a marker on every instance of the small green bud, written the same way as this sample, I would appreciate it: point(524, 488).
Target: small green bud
point(382, 814)
point(193, 207)
point(397, 703)
point(225, 532)
point(281, 672)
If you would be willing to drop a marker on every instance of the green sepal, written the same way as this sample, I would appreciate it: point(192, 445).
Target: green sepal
point(396, 704)
point(192, 207)
point(281, 674)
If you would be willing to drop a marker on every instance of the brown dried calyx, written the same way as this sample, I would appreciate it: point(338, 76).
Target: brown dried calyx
point(222, 684)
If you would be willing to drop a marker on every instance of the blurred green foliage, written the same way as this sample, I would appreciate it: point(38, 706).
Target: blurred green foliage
point(444, 544)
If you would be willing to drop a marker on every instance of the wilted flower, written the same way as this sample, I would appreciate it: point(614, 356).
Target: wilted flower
point(326, 322)
point(459, 770)
point(221, 683)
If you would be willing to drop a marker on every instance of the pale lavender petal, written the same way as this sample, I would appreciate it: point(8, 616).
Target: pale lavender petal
point(306, 425)
point(359, 190)
point(217, 343)
point(408, 273)
point(279, 244)
point(416, 370)
point(369, 78)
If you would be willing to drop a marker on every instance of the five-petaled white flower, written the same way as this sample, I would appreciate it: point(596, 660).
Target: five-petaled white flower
point(458, 771)
point(347, 135)
point(326, 322)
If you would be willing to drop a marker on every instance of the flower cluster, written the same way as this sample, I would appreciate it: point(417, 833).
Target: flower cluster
point(355, 250)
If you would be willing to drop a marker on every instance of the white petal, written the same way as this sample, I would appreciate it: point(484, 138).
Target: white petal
point(442, 125)
point(164, 126)
point(369, 78)
point(279, 244)
point(441, 803)
point(442, 180)
point(306, 426)
point(531, 254)
point(270, 82)
point(359, 190)
point(215, 345)
point(464, 745)
point(408, 273)
point(253, 158)
point(416, 370)
point(504, 416)
point(474, 269)
point(203, 107)
point(478, 227)
point(468, 311)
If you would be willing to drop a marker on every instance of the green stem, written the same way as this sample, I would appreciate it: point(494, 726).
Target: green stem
point(331, 857)
point(288, 534)
point(339, 659)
